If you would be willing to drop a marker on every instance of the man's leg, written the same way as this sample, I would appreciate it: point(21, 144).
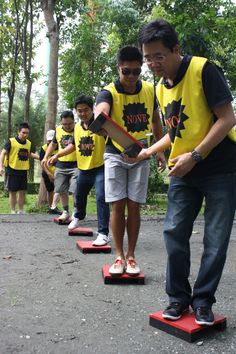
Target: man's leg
point(184, 203)
point(137, 193)
point(84, 184)
point(103, 211)
point(65, 200)
point(55, 200)
point(220, 192)
point(116, 194)
point(50, 198)
point(133, 226)
point(21, 200)
point(118, 226)
point(74, 172)
point(13, 200)
point(61, 183)
point(85, 181)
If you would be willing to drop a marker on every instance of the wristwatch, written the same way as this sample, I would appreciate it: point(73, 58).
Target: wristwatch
point(196, 156)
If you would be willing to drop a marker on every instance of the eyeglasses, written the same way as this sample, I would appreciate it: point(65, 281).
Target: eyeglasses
point(155, 58)
point(134, 72)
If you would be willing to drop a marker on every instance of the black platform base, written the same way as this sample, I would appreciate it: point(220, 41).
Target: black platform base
point(87, 247)
point(121, 279)
point(186, 328)
point(81, 231)
point(59, 222)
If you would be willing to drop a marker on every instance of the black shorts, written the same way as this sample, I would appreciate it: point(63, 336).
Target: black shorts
point(48, 184)
point(17, 182)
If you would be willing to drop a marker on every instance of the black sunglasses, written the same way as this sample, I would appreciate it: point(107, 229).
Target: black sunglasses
point(134, 72)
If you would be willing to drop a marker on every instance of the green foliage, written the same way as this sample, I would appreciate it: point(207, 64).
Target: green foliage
point(102, 27)
point(156, 180)
point(205, 28)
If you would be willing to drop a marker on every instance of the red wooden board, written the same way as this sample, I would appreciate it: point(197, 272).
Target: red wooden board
point(59, 222)
point(87, 247)
point(81, 231)
point(185, 328)
point(122, 279)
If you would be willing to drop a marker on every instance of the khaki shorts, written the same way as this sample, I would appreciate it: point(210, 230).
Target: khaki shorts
point(65, 180)
point(125, 180)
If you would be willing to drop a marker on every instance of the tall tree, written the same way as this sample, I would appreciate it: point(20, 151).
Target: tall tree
point(14, 63)
point(27, 53)
point(212, 35)
point(48, 7)
point(102, 27)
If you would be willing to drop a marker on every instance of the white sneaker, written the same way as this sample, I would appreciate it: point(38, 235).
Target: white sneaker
point(132, 268)
point(13, 212)
point(21, 212)
point(101, 240)
point(74, 223)
point(64, 216)
point(118, 267)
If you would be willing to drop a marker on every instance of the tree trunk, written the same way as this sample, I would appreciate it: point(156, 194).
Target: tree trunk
point(48, 7)
point(12, 86)
point(42, 196)
point(11, 94)
point(27, 54)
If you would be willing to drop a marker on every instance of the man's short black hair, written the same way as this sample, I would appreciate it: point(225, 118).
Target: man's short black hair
point(67, 114)
point(158, 30)
point(83, 99)
point(129, 53)
point(23, 125)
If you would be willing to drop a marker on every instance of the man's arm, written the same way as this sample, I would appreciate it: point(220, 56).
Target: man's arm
point(34, 156)
point(225, 121)
point(158, 134)
point(160, 146)
point(2, 156)
point(102, 107)
point(51, 147)
point(66, 151)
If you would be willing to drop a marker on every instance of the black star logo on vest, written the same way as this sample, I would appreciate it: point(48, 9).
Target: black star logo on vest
point(86, 146)
point(174, 118)
point(65, 140)
point(23, 154)
point(135, 117)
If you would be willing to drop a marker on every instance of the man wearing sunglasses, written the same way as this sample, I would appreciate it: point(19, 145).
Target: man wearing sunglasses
point(132, 104)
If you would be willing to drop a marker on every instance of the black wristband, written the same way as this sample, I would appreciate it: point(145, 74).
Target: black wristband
point(196, 156)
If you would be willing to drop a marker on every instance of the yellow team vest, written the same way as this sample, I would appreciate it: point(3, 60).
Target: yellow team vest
point(89, 148)
point(18, 157)
point(5, 162)
point(133, 112)
point(185, 110)
point(50, 167)
point(63, 140)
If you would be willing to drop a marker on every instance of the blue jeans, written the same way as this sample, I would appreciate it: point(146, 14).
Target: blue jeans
point(185, 197)
point(85, 181)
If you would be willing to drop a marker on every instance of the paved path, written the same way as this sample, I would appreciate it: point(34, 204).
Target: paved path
point(53, 298)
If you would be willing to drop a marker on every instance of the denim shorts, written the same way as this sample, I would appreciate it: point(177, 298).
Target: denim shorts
point(125, 180)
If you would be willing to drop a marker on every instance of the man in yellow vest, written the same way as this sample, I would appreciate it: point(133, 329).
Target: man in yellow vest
point(132, 104)
point(66, 167)
point(18, 150)
point(89, 151)
point(195, 103)
point(48, 176)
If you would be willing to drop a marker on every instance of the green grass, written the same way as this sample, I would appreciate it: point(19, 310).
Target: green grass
point(156, 206)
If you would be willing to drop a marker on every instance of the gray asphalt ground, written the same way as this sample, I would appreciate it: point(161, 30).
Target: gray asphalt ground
point(53, 298)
